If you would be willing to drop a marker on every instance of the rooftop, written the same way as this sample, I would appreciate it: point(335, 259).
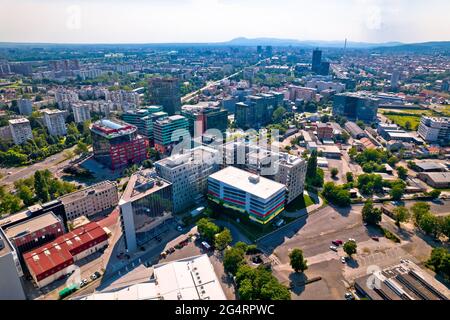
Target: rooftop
point(5, 245)
point(438, 177)
point(192, 278)
point(142, 184)
point(32, 225)
point(19, 121)
point(111, 129)
point(99, 187)
point(248, 182)
point(61, 250)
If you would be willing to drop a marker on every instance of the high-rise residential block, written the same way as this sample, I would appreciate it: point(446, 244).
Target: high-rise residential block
point(25, 106)
point(55, 122)
point(20, 130)
point(81, 112)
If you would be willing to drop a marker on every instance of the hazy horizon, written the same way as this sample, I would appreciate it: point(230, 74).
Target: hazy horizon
point(211, 21)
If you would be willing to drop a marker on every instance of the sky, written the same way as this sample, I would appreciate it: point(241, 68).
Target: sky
point(166, 21)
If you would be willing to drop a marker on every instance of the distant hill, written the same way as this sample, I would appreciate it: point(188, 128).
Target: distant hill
point(242, 41)
point(442, 46)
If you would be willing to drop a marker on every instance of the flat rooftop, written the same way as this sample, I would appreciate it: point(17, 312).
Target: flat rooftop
point(237, 178)
point(96, 188)
point(32, 225)
point(19, 121)
point(5, 246)
point(141, 184)
point(192, 278)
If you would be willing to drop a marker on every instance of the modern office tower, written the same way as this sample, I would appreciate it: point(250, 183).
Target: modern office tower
point(34, 232)
point(188, 173)
point(269, 51)
point(356, 106)
point(258, 197)
point(165, 92)
point(91, 200)
point(324, 69)
point(81, 112)
point(55, 122)
point(65, 98)
point(291, 172)
point(445, 85)
point(143, 119)
point(4, 68)
point(20, 130)
point(10, 284)
point(395, 77)
point(316, 60)
point(25, 106)
point(256, 111)
point(205, 116)
point(259, 49)
point(169, 131)
point(117, 144)
point(56, 259)
point(145, 208)
point(433, 129)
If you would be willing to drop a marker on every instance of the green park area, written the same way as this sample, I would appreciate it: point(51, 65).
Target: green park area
point(300, 203)
point(409, 119)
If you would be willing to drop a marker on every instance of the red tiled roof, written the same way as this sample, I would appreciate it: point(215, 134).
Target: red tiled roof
point(59, 253)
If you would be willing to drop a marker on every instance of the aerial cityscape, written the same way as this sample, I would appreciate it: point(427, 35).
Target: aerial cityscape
point(180, 166)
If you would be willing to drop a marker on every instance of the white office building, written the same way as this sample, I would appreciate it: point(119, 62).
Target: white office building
point(55, 122)
point(20, 130)
point(191, 278)
point(188, 172)
point(433, 129)
point(10, 271)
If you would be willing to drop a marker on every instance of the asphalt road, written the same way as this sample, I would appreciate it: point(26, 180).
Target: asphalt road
point(52, 163)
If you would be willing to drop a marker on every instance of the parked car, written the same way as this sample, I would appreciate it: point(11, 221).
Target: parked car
point(343, 260)
point(97, 274)
point(180, 228)
point(206, 245)
point(333, 248)
point(93, 276)
point(349, 296)
point(351, 239)
point(376, 238)
point(171, 249)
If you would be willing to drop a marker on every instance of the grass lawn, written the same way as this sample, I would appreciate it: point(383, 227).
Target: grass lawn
point(300, 203)
point(402, 119)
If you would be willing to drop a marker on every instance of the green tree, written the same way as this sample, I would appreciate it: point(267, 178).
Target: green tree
point(419, 209)
point(81, 148)
point(298, 263)
point(311, 169)
point(370, 214)
point(349, 176)
point(26, 194)
point(334, 172)
point(402, 173)
point(223, 239)
point(430, 224)
point(41, 187)
point(434, 194)
point(445, 226)
point(401, 214)
point(278, 114)
point(273, 290)
point(232, 259)
point(397, 190)
point(207, 229)
point(246, 290)
point(350, 248)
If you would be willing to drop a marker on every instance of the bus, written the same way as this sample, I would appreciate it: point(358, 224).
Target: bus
point(67, 291)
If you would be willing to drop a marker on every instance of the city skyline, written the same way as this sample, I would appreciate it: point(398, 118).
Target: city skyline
point(201, 21)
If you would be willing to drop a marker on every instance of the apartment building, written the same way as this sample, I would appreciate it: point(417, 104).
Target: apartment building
point(81, 112)
point(25, 106)
point(20, 130)
point(55, 122)
point(91, 200)
point(291, 171)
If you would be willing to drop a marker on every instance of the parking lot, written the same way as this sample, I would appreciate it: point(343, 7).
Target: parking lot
point(314, 235)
